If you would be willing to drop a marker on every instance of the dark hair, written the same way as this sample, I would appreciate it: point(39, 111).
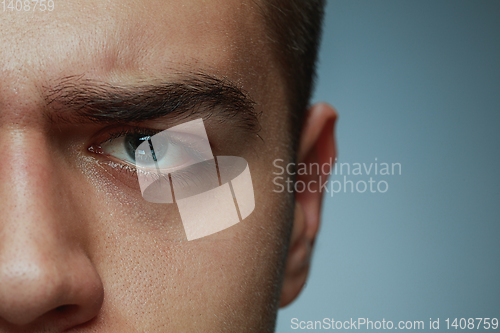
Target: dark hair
point(294, 30)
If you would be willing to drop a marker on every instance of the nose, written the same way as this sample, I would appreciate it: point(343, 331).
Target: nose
point(47, 280)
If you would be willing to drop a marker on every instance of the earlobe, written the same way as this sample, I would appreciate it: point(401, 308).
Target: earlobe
point(317, 147)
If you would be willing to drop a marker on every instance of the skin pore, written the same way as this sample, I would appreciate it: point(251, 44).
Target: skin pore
point(80, 250)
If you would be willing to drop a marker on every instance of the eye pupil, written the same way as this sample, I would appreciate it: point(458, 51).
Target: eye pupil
point(132, 141)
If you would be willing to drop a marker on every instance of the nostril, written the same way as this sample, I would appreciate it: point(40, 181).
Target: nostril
point(65, 309)
point(61, 308)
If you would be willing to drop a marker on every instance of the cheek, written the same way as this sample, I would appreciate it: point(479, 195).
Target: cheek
point(148, 267)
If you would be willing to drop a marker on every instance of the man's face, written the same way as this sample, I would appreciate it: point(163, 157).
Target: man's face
point(79, 246)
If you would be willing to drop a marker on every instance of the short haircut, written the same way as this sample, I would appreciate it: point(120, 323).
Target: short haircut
point(294, 28)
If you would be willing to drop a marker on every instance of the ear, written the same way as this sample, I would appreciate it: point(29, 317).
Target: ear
point(317, 145)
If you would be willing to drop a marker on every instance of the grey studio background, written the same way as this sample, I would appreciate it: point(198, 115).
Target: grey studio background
point(415, 83)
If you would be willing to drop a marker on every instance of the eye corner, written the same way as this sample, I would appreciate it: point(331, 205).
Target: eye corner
point(95, 148)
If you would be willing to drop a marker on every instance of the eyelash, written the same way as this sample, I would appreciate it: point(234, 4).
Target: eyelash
point(133, 130)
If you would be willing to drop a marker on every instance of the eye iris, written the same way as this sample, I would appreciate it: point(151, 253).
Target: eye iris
point(132, 141)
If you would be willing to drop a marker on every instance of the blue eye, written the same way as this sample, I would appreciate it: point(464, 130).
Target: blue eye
point(132, 141)
point(160, 150)
point(170, 153)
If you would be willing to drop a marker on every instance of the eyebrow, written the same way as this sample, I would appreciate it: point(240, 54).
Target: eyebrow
point(77, 99)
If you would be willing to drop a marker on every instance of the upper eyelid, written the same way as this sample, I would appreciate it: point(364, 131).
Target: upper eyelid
point(133, 130)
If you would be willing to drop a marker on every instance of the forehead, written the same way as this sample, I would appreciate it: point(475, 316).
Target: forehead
point(120, 40)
